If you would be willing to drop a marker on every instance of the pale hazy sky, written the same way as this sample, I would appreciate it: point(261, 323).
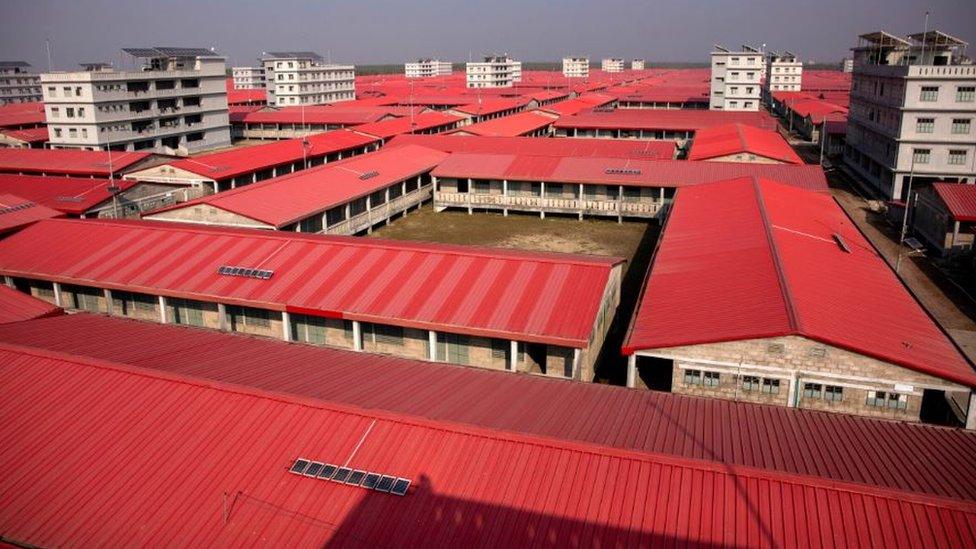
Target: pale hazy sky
point(368, 31)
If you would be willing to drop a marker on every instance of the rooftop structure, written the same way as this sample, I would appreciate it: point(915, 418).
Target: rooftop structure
point(944, 218)
point(427, 68)
point(741, 143)
point(304, 78)
point(809, 315)
point(18, 83)
point(526, 312)
point(912, 106)
point(175, 103)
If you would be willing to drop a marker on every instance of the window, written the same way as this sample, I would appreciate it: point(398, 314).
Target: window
point(929, 93)
point(812, 390)
point(452, 348)
point(925, 125)
point(957, 157)
point(959, 125)
point(876, 398)
point(499, 348)
point(70, 111)
point(921, 156)
point(55, 112)
point(833, 393)
point(693, 377)
point(57, 132)
point(897, 401)
point(383, 334)
point(239, 317)
point(965, 94)
point(770, 386)
point(750, 383)
point(72, 133)
point(711, 379)
point(52, 91)
point(77, 91)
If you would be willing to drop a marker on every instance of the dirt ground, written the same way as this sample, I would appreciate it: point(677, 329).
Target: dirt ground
point(631, 240)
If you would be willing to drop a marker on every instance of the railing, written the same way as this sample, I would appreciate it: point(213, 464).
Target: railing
point(645, 207)
point(379, 213)
point(131, 208)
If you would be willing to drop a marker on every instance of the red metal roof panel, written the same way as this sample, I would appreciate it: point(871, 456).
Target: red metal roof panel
point(930, 460)
point(22, 115)
point(718, 141)
point(17, 212)
point(386, 129)
point(71, 195)
point(513, 125)
point(29, 135)
point(543, 146)
point(751, 258)
point(67, 161)
point(959, 198)
point(176, 461)
point(16, 306)
point(546, 298)
point(664, 119)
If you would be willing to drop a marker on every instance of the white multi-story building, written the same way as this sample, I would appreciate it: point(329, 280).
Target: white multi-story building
point(427, 68)
point(736, 79)
point(912, 113)
point(783, 73)
point(496, 71)
point(18, 83)
point(249, 78)
point(576, 67)
point(296, 78)
point(847, 64)
point(637, 65)
point(175, 103)
point(612, 65)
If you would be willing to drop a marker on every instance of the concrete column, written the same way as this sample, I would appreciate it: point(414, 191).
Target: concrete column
point(577, 356)
point(632, 371)
point(971, 414)
point(505, 194)
point(357, 336)
point(285, 326)
point(9, 281)
point(620, 203)
point(791, 395)
point(57, 295)
point(216, 189)
point(108, 301)
point(579, 200)
point(542, 199)
point(162, 310)
point(254, 177)
point(222, 313)
point(470, 192)
point(955, 231)
point(432, 345)
point(513, 359)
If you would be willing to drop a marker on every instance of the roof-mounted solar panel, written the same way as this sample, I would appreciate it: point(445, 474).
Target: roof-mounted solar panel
point(356, 478)
point(341, 474)
point(327, 471)
point(622, 171)
point(299, 466)
point(385, 483)
point(261, 274)
point(17, 207)
point(369, 175)
point(400, 487)
point(370, 480)
point(313, 469)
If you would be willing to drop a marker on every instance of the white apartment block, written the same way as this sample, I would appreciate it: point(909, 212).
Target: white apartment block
point(495, 71)
point(18, 83)
point(427, 68)
point(249, 78)
point(637, 65)
point(297, 78)
point(612, 65)
point(175, 103)
point(576, 67)
point(783, 72)
point(912, 114)
point(736, 79)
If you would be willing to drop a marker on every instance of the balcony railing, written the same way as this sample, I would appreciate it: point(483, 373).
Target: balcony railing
point(631, 207)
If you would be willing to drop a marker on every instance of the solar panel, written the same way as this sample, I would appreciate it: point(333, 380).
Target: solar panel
point(313, 469)
point(623, 171)
point(400, 487)
point(356, 478)
point(370, 480)
point(17, 207)
point(299, 466)
point(369, 175)
point(327, 471)
point(342, 474)
point(385, 483)
point(261, 274)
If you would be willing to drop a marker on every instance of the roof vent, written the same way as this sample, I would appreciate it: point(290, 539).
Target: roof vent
point(622, 171)
point(369, 175)
point(69, 199)
point(261, 274)
point(17, 207)
point(841, 243)
point(351, 477)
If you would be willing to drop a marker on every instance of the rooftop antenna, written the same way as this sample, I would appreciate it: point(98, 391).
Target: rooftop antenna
point(925, 32)
point(47, 43)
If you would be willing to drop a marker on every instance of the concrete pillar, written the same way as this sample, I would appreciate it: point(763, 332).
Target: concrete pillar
point(542, 199)
point(9, 281)
point(57, 295)
point(620, 203)
point(162, 310)
point(470, 191)
point(632, 371)
point(791, 396)
point(513, 358)
point(222, 314)
point(579, 200)
point(971, 414)
point(285, 326)
point(357, 336)
point(432, 345)
point(254, 177)
point(577, 356)
point(108, 301)
point(955, 232)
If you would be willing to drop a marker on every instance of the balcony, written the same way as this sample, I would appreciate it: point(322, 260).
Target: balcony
point(645, 207)
point(379, 214)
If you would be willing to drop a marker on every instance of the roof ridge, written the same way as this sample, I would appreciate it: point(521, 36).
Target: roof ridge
point(777, 262)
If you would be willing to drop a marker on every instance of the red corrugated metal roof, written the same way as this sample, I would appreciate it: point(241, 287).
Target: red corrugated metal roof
point(425, 121)
point(314, 115)
point(718, 141)
point(246, 97)
point(513, 125)
point(177, 461)
point(664, 119)
point(840, 447)
point(959, 198)
point(238, 161)
point(493, 105)
point(750, 259)
point(30, 135)
point(646, 173)
point(546, 298)
point(71, 195)
point(283, 200)
point(22, 115)
point(17, 212)
point(543, 146)
point(67, 161)
point(16, 306)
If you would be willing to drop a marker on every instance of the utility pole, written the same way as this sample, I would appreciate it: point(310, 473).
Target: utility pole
point(47, 44)
point(904, 218)
point(925, 32)
point(823, 137)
